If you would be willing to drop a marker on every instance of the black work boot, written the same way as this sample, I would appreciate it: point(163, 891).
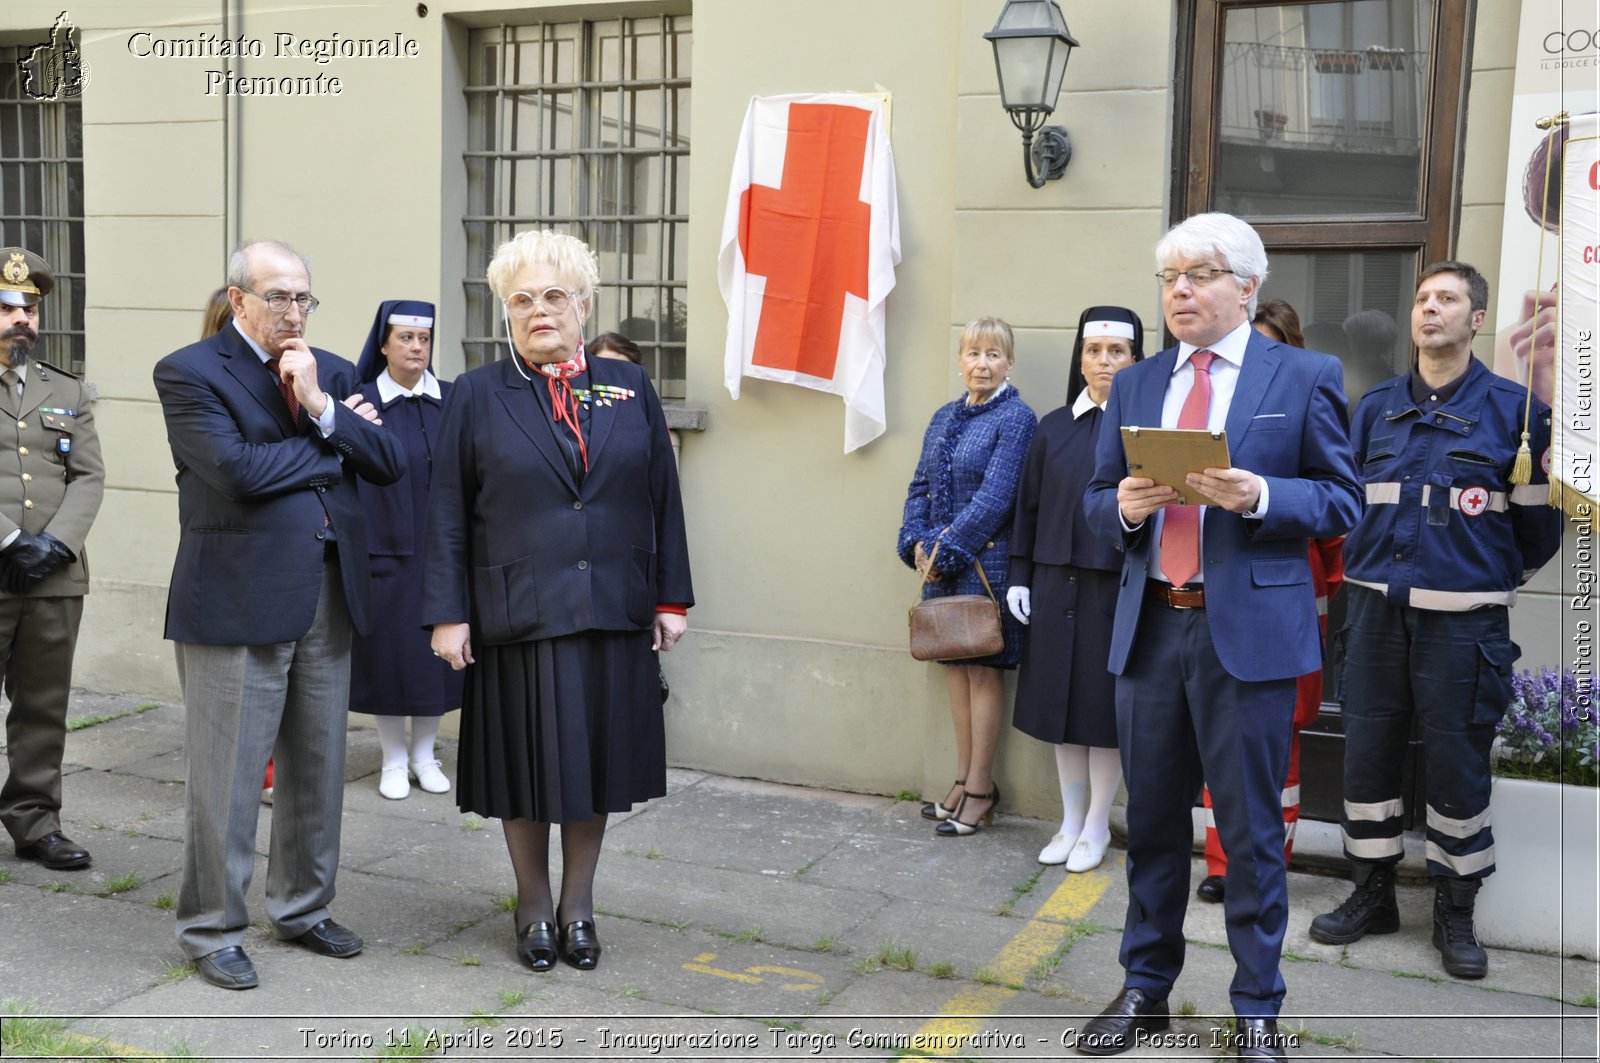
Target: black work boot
point(1369, 910)
point(1453, 935)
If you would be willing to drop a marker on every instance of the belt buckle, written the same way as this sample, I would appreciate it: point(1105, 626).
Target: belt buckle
point(1172, 593)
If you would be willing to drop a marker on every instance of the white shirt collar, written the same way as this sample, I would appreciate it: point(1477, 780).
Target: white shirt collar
point(21, 371)
point(1083, 404)
point(1229, 348)
point(254, 346)
point(389, 389)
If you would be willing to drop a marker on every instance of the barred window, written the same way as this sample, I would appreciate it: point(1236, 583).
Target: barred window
point(583, 127)
point(41, 200)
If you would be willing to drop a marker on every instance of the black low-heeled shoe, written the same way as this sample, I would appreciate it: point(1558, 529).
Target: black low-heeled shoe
point(580, 945)
point(536, 946)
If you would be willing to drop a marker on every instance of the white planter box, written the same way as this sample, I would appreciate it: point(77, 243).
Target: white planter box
point(1545, 892)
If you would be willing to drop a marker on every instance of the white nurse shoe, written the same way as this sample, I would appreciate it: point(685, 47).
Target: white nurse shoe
point(429, 777)
point(394, 783)
point(1058, 849)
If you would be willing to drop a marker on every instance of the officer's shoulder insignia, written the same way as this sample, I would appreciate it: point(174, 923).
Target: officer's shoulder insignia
point(52, 367)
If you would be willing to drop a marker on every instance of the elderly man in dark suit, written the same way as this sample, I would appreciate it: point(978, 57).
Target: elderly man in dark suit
point(50, 490)
point(270, 578)
point(1216, 617)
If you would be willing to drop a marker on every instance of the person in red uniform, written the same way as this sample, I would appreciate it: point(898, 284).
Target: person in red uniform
point(1277, 320)
point(1327, 573)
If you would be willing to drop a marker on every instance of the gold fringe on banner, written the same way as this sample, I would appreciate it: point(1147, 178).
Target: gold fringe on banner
point(1577, 505)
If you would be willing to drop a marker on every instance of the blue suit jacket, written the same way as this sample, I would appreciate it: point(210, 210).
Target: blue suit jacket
point(520, 550)
point(1288, 424)
point(256, 493)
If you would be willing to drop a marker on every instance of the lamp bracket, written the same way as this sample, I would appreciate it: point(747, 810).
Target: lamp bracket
point(1046, 154)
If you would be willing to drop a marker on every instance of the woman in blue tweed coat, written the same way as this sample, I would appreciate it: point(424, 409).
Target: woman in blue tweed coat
point(961, 501)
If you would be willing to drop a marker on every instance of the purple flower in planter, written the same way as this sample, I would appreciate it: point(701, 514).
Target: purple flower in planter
point(1549, 730)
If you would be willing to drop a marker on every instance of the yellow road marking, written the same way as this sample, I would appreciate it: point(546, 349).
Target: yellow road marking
point(752, 975)
point(699, 966)
point(808, 980)
point(1041, 937)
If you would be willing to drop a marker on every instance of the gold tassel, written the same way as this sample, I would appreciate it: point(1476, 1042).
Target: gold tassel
point(1522, 468)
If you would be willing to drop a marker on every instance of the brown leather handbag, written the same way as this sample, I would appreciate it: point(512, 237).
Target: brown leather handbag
point(956, 626)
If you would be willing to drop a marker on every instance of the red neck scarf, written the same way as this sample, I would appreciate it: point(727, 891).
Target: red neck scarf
point(563, 403)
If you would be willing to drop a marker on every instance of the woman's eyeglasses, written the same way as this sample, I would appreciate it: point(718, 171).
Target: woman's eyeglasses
point(523, 304)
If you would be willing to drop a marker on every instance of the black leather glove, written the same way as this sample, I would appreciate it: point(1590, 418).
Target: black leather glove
point(60, 552)
point(27, 549)
point(30, 558)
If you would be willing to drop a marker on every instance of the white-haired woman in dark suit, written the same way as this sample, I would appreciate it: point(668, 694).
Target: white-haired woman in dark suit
point(557, 561)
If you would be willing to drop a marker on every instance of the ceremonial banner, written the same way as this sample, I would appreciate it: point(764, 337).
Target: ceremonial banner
point(810, 240)
point(1558, 50)
point(1573, 424)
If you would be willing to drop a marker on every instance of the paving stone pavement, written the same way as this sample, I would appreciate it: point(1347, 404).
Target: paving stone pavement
point(741, 920)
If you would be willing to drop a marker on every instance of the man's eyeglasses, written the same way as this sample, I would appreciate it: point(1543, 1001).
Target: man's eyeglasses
point(278, 302)
point(523, 304)
point(1199, 276)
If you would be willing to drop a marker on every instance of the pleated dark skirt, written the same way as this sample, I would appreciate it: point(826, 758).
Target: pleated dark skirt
point(1064, 692)
point(563, 729)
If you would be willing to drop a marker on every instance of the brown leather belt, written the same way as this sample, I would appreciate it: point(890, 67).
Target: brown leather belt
point(1175, 597)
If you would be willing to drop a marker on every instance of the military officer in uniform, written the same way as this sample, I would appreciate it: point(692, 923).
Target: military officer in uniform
point(51, 482)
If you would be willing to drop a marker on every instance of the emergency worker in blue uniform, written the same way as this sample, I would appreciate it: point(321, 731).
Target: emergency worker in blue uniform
point(1430, 575)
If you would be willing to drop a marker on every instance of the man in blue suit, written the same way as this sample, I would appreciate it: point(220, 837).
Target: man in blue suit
point(271, 576)
point(1216, 617)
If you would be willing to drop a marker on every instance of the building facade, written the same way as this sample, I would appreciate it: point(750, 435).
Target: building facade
point(395, 143)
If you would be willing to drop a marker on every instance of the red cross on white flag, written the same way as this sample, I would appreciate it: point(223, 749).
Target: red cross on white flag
point(810, 240)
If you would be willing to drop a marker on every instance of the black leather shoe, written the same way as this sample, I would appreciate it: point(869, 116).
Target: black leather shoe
point(580, 946)
point(536, 946)
point(1118, 1027)
point(328, 938)
point(1258, 1039)
point(228, 968)
point(1212, 888)
point(55, 851)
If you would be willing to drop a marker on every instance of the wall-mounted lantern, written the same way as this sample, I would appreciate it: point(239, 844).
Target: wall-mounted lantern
point(1031, 47)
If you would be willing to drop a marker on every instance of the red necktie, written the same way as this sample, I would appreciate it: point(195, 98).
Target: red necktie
point(286, 389)
point(1180, 530)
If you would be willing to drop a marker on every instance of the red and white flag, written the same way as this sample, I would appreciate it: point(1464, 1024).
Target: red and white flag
point(810, 241)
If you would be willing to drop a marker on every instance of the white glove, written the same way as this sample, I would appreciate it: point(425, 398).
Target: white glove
point(1020, 601)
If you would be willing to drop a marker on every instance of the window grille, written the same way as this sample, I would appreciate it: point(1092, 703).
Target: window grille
point(41, 201)
point(583, 127)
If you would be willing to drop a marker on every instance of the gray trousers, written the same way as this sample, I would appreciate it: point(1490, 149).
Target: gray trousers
point(37, 639)
point(289, 701)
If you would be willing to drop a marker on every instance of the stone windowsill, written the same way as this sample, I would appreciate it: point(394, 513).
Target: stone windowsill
point(684, 418)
